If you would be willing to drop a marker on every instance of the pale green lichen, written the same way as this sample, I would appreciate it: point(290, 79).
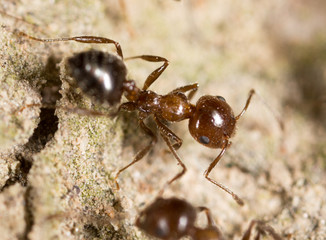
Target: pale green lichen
point(228, 48)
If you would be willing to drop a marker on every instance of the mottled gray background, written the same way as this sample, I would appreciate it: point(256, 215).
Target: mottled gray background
point(56, 171)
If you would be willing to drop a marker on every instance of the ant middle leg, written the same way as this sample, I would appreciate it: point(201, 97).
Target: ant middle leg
point(157, 72)
point(192, 88)
point(165, 135)
point(82, 39)
point(141, 153)
point(127, 106)
point(209, 169)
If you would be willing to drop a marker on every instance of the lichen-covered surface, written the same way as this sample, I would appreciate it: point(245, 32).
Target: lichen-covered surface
point(57, 167)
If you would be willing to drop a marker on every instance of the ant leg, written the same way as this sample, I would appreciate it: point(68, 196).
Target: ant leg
point(246, 235)
point(192, 88)
point(157, 72)
point(178, 144)
point(82, 39)
point(212, 165)
point(171, 135)
point(141, 153)
point(165, 135)
point(28, 106)
point(275, 114)
point(210, 221)
point(261, 229)
point(251, 93)
point(127, 106)
point(126, 17)
point(79, 111)
point(18, 19)
point(211, 231)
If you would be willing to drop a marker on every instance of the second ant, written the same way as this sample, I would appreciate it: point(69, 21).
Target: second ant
point(173, 218)
point(103, 76)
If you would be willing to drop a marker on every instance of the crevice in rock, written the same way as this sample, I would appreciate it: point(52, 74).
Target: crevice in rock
point(46, 128)
point(29, 217)
point(42, 134)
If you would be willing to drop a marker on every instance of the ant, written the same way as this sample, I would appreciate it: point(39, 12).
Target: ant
point(103, 76)
point(173, 218)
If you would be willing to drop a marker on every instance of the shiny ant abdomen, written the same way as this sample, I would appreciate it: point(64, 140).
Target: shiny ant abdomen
point(100, 75)
point(174, 218)
point(103, 76)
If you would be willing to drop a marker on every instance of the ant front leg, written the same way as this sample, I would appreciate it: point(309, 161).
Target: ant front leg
point(142, 152)
point(157, 72)
point(82, 39)
point(212, 165)
point(165, 135)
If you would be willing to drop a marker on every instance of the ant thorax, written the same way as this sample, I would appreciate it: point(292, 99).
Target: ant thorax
point(173, 107)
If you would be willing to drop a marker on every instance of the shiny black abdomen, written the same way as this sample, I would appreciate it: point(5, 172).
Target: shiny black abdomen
point(99, 75)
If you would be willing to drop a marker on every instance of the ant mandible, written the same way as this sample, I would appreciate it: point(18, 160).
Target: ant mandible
point(103, 76)
point(174, 218)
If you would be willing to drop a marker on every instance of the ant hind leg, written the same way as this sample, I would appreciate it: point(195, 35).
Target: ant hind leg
point(141, 153)
point(82, 39)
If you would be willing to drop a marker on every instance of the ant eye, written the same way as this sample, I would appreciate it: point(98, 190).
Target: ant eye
point(221, 98)
point(204, 140)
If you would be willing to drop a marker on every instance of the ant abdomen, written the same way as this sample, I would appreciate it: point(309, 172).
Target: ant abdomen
point(170, 218)
point(173, 218)
point(209, 233)
point(213, 122)
point(99, 75)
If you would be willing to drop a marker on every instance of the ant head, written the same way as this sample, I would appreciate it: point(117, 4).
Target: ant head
point(212, 122)
point(99, 75)
point(169, 218)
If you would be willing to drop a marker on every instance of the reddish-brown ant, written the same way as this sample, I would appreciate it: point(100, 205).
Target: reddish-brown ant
point(173, 218)
point(103, 76)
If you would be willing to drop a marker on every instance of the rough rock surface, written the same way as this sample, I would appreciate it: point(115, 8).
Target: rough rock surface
point(57, 167)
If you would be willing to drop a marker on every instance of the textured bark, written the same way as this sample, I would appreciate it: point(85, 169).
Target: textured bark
point(57, 167)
